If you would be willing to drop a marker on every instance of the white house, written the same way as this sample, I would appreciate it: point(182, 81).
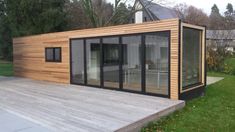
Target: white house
point(150, 11)
point(221, 38)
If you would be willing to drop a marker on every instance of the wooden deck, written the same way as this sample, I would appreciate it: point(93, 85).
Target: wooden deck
point(71, 108)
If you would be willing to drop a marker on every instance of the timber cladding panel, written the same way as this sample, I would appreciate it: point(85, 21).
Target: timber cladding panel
point(29, 52)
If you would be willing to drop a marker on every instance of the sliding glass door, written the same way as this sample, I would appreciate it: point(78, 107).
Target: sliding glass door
point(138, 62)
point(77, 61)
point(93, 57)
point(111, 61)
point(131, 73)
point(156, 63)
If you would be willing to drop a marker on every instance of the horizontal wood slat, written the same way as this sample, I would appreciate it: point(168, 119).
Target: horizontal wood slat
point(29, 51)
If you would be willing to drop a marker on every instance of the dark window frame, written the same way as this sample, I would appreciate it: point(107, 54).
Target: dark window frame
point(54, 54)
point(143, 91)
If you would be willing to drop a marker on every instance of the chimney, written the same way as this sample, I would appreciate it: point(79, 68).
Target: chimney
point(139, 12)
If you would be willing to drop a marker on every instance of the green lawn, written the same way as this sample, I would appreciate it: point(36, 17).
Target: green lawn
point(6, 68)
point(211, 113)
point(230, 66)
point(231, 62)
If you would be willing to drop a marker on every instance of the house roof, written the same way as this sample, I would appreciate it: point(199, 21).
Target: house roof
point(220, 34)
point(158, 12)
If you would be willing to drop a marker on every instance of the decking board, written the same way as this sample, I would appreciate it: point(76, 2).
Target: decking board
point(70, 108)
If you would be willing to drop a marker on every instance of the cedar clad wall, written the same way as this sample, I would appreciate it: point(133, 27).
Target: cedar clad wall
point(29, 58)
point(29, 52)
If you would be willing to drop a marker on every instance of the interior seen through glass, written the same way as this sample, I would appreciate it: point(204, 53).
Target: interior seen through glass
point(121, 60)
point(157, 63)
point(77, 61)
point(93, 61)
point(191, 57)
point(131, 74)
point(111, 61)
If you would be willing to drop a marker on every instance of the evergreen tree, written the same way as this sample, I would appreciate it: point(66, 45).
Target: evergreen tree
point(230, 10)
point(28, 17)
point(5, 34)
point(216, 20)
point(5, 40)
point(229, 17)
point(215, 10)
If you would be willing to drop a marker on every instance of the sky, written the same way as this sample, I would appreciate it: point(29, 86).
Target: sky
point(205, 5)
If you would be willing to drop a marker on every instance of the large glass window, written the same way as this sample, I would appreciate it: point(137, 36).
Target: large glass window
point(191, 57)
point(93, 61)
point(77, 53)
point(137, 62)
point(156, 63)
point(111, 61)
point(132, 63)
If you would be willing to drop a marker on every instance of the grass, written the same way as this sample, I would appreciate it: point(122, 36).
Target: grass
point(213, 112)
point(6, 68)
point(230, 66)
point(230, 62)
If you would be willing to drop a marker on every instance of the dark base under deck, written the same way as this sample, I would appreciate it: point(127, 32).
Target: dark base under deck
point(193, 93)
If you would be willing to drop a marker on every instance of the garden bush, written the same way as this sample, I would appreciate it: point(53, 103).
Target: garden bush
point(216, 56)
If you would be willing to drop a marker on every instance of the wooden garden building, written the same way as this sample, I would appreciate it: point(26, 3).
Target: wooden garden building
point(161, 58)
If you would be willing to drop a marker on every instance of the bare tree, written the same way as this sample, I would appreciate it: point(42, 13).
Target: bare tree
point(181, 10)
point(97, 13)
point(77, 19)
point(191, 14)
point(100, 12)
point(196, 16)
point(100, 15)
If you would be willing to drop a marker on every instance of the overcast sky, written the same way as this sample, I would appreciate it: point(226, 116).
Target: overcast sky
point(205, 5)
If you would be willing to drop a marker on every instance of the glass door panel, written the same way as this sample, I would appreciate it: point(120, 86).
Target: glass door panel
point(111, 61)
point(157, 63)
point(77, 55)
point(131, 74)
point(93, 61)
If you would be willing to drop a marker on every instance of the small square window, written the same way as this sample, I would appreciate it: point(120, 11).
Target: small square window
point(53, 54)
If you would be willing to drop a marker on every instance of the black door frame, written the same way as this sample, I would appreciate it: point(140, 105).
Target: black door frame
point(143, 58)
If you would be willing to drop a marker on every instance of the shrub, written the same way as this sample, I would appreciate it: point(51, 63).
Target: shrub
point(230, 66)
point(216, 56)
